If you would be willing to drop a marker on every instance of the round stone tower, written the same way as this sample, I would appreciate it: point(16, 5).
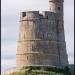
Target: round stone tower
point(37, 43)
point(41, 37)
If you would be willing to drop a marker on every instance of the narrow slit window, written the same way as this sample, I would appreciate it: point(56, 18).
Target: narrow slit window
point(27, 57)
point(59, 8)
point(24, 36)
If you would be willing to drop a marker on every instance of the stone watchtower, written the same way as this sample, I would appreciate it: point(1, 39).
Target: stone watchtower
point(41, 37)
point(56, 6)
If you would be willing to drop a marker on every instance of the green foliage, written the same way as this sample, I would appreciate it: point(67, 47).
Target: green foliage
point(36, 70)
point(54, 69)
point(67, 71)
point(31, 67)
point(35, 67)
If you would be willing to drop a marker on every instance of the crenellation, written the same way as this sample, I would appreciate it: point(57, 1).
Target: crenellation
point(32, 14)
point(48, 13)
point(35, 15)
point(23, 14)
point(56, 0)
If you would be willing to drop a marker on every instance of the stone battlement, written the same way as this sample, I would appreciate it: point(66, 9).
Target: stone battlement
point(32, 15)
point(56, 0)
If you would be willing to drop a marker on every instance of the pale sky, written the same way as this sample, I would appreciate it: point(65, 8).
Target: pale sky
point(10, 13)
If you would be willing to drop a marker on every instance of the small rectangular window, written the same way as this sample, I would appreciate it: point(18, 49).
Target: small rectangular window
point(59, 8)
point(27, 57)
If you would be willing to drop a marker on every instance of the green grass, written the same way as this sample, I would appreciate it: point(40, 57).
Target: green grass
point(34, 70)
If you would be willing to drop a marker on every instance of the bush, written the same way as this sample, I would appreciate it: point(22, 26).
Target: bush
point(67, 70)
point(54, 69)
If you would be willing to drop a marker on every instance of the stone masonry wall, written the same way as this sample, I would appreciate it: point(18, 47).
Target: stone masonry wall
point(38, 39)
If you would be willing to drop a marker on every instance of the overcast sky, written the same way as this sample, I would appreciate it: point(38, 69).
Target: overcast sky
point(10, 12)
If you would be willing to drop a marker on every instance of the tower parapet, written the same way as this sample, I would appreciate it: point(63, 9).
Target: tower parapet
point(33, 15)
point(37, 36)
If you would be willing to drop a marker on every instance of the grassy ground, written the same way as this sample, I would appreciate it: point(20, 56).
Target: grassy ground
point(33, 70)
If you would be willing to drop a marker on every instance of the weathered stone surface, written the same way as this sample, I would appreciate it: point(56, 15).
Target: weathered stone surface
point(41, 38)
